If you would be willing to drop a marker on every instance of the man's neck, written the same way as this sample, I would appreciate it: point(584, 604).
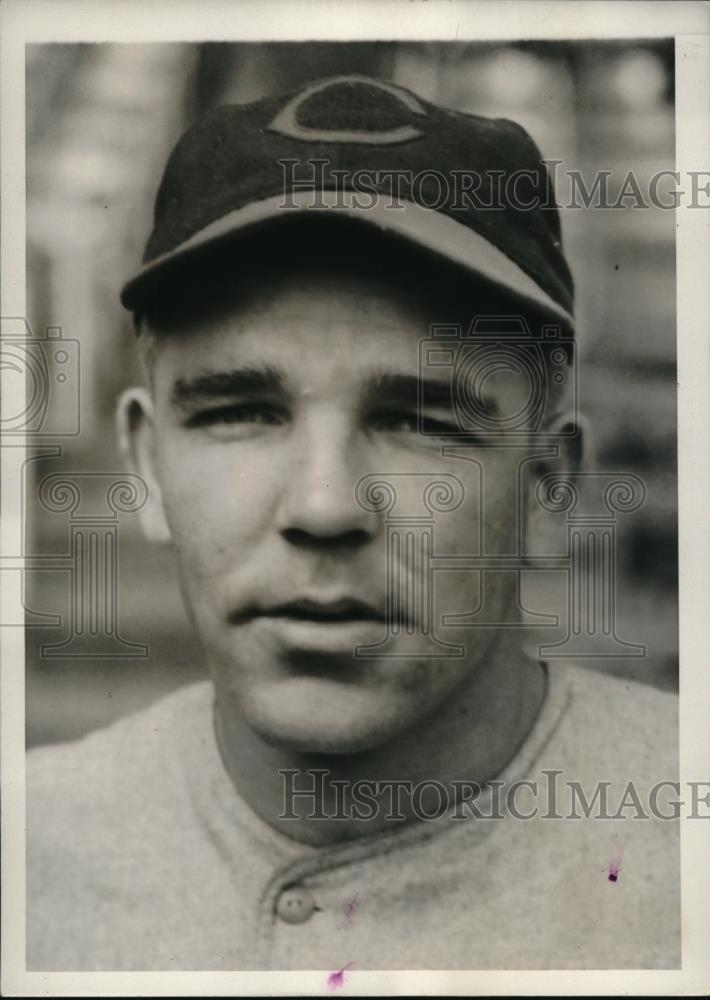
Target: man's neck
point(469, 741)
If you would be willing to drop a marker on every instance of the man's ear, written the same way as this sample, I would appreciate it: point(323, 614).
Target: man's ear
point(570, 433)
point(135, 421)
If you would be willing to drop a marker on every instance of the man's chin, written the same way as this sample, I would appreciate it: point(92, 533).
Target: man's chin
point(313, 715)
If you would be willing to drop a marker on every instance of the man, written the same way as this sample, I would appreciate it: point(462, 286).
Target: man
point(344, 792)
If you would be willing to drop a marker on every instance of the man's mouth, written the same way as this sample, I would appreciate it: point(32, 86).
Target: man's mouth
point(321, 625)
point(344, 610)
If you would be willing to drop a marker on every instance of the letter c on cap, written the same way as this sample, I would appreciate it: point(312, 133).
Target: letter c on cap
point(286, 123)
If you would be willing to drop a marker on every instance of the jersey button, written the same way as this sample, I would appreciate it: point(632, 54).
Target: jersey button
point(295, 905)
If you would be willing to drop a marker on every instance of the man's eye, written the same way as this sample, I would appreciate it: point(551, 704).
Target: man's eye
point(396, 422)
point(236, 414)
point(411, 422)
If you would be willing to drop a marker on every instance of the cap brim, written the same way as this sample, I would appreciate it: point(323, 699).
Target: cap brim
point(421, 226)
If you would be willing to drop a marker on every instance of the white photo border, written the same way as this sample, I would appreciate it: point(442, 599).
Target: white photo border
point(37, 21)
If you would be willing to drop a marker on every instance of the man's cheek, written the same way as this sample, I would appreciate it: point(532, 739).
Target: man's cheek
point(214, 479)
point(194, 493)
point(215, 529)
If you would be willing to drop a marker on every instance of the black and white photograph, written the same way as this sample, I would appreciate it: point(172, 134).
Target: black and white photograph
point(355, 369)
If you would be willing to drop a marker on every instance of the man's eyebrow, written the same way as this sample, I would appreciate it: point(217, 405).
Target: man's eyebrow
point(392, 387)
point(412, 390)
point(218, 385)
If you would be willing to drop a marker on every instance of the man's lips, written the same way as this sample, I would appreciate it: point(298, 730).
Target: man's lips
point(323, 622)
point(318, 625)
point(343, 610)
point(321, 612)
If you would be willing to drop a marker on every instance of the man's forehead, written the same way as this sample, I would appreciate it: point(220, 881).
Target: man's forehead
point(309, 335)
point(311, 293)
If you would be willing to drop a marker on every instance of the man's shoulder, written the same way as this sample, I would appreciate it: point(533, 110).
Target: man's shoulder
point(151, 724)
point(611, 720)
point(633, 702)
point(597, 685)
point(108, 771)
point(110, 820)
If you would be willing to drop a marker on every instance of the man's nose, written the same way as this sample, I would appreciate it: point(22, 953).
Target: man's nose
point(318, 506)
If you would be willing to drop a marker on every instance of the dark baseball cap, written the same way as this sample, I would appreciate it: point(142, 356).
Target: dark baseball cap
point(376, 154)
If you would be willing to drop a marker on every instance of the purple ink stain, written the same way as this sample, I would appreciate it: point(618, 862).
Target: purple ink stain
point(336, 979)
point(349, 907)
point(614, 867)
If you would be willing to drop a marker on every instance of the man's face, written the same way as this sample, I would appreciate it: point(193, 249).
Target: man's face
point(267, 414)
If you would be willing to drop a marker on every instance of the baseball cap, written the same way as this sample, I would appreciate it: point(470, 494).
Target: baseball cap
point(377, 154)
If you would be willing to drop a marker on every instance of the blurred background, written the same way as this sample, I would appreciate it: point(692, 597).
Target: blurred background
point(102, 118)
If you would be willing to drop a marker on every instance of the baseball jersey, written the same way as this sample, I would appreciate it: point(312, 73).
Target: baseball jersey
point(142, 856)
